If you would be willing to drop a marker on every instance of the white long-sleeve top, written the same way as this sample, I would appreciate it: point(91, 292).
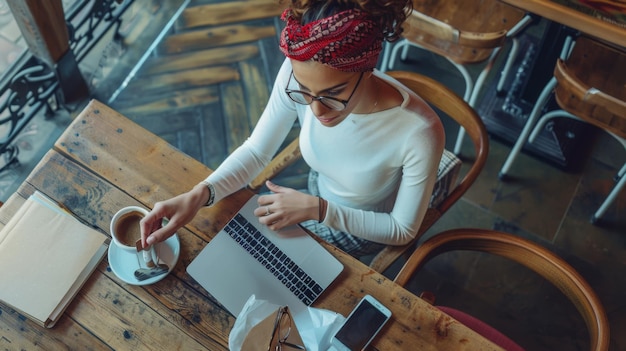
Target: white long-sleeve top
point(376, 171)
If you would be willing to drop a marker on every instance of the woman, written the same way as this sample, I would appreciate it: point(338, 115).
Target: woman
point(373, 146)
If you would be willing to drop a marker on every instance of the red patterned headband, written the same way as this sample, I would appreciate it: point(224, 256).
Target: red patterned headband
point(349, 41)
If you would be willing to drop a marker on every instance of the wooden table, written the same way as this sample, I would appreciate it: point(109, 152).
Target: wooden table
point(104, 162)
point(560, 12)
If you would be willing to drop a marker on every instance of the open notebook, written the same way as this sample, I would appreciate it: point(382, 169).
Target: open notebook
point(45, 257)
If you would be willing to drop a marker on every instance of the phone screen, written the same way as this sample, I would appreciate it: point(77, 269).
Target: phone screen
point(361, 326)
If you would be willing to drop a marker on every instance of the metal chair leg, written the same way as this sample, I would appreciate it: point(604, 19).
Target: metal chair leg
point(402, 44)
point(619, 178)
point(530, 122)
point(611, 197)
point(541, 101)
point(507, 66)
point(545, 118)
point(386, 53)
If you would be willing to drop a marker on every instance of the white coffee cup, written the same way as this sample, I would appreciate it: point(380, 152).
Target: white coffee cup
point(125, 228)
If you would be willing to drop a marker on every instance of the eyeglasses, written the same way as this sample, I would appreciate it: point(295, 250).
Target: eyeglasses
point(332, 103)
point(282, 328)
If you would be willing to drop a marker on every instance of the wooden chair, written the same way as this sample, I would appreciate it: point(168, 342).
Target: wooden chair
point(464, 32)
point(527, 253)
point(449, 103)
point(589, 85)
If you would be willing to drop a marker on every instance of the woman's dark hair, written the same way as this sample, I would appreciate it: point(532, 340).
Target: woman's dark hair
point(392, 13)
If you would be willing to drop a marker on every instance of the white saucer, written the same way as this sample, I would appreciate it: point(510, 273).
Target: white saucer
point(124, 263)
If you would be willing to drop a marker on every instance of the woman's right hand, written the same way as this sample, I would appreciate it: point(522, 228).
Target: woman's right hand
point(178, 211)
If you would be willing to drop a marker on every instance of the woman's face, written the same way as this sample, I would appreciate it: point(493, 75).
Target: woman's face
point(320, 80)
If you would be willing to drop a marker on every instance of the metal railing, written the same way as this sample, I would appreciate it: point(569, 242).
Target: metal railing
point(34, 85)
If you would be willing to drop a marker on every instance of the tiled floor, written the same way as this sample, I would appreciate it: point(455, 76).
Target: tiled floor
point(541, 203)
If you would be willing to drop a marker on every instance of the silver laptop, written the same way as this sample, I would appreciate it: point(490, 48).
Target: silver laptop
point(287, 267)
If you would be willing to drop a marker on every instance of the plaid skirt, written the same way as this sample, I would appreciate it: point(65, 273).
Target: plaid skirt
point(351, 244)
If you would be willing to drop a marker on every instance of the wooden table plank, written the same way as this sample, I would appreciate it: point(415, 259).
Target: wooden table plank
point(130, 322)
point(13, 203)
point(19, 333)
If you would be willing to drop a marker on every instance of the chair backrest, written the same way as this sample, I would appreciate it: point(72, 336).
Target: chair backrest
point(528, 254)
point(441, 97)
point(465, 31)
point(452, 105)
point(591, 84)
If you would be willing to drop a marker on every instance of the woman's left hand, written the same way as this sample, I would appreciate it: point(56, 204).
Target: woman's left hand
point(285, 207)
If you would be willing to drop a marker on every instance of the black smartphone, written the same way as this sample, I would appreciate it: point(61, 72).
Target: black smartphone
point(362, 325)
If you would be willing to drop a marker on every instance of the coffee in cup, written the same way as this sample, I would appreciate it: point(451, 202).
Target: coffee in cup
point(125, 228)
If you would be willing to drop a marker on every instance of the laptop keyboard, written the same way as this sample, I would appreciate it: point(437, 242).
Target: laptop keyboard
point(272, 258)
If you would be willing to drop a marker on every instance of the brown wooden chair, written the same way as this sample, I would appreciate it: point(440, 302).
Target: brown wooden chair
point(464, 32)
point(453, 106)
point(526, 253)
point(589, 84)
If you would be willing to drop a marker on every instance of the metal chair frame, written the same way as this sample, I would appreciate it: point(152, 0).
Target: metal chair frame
point(591, 97)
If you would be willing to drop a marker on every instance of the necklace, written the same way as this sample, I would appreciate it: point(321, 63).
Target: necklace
point(375, 90)
point(369, 113)
point(375, 101)
point(374, 107)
